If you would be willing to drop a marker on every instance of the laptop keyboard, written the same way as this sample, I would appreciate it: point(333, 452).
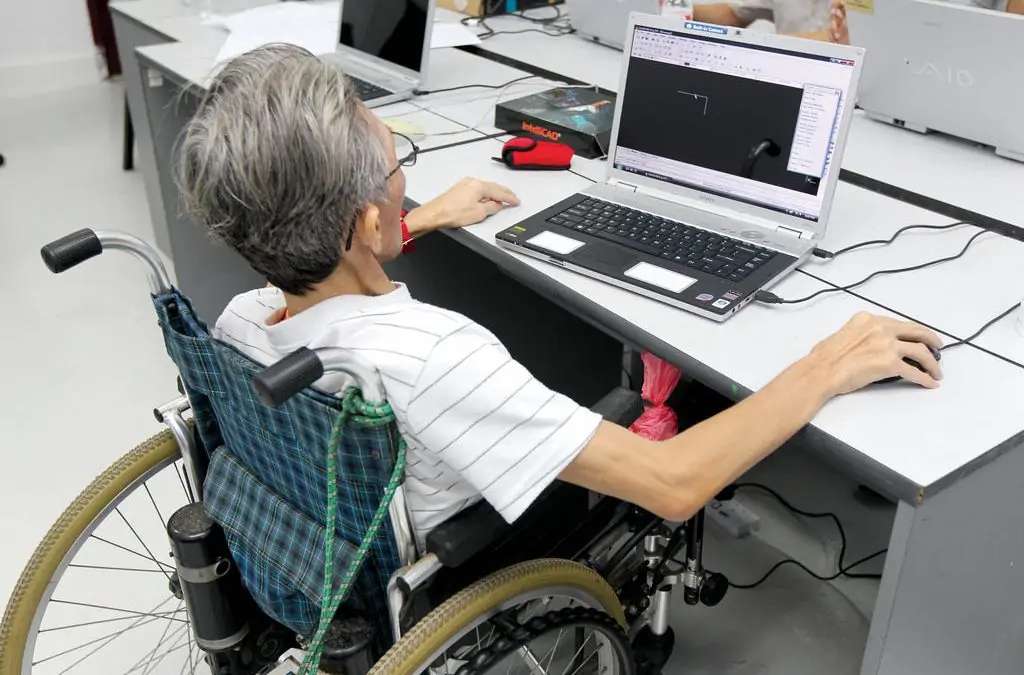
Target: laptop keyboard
point(715, 254)
point(368, 91)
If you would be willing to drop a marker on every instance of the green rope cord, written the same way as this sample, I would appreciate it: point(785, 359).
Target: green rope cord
point(351, 403)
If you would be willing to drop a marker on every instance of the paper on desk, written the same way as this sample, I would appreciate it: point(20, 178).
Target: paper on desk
point(313, 26)
point(448, 34)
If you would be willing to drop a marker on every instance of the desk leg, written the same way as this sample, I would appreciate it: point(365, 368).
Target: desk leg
point(209, 273)
point(952, 594)
point(130, 35)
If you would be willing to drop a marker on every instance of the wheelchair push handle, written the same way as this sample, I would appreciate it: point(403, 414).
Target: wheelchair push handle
point(77, 247)
point(70, 250)
point(287, 377)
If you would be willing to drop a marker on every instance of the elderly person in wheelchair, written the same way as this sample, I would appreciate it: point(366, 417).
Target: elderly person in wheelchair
point(463, 529)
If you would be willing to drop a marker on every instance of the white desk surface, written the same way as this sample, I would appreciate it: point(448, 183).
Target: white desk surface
point(946, 169)
point(927, 440)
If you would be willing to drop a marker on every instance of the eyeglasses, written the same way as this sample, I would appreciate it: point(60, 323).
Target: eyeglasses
point(408, 160)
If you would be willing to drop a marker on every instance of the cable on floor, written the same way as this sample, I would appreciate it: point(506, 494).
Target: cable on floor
point(844, 569)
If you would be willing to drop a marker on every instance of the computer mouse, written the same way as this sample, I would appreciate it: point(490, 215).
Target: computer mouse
point(935, 353)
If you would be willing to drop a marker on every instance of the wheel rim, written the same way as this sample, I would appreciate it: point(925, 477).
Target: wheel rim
point(108, 607)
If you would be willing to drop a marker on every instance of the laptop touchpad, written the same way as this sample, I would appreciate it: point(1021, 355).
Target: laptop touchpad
point(660, 277)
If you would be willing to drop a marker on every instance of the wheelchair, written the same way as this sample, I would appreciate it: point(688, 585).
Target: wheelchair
point(265, 531)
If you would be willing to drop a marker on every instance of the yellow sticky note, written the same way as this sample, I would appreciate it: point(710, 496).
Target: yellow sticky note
point(862, 6)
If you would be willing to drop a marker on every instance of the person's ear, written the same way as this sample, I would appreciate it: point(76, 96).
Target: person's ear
point(368, 229)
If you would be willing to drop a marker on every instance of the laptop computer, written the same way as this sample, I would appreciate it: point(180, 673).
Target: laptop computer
point(604, 21)
point(944, 67)
point(724, 158)
point(384, 46)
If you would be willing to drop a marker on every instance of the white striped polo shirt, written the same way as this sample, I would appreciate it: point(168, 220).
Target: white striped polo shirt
point(476, 422)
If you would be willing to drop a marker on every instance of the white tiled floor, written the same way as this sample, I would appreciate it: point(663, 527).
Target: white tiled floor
point(84, 365)
point(83, 360)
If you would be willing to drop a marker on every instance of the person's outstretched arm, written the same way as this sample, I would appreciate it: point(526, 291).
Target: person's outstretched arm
point(675, 478)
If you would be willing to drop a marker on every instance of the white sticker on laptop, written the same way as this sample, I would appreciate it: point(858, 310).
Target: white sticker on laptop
point(557, 243)
point(660, 277)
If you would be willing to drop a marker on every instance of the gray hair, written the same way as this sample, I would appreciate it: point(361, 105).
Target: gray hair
point(279, 162)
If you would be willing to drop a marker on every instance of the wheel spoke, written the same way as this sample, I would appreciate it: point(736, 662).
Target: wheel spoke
point(161, 657)
point(554, 649)
point(102, 621)
point(191, 663)
point(576, 656)
point(584, 662)
point(161, 615)
point(150, 558)
point(160, 642)
point(153, 502)
point(116, 569)
point(130, 527)
point(138, 622)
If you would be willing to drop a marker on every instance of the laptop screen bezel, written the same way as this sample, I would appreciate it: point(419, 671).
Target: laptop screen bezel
point(724, 204)
point(410, 74)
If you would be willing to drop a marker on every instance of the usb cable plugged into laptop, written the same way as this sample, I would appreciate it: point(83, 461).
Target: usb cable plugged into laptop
point(768, 298)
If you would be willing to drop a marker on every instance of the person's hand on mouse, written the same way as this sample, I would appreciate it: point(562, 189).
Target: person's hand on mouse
point(871, 348)
point(467, 202)
point(838, 30)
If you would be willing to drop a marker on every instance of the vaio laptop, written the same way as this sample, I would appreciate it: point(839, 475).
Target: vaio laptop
point(604, 21)
point(944, 67)
point(724, 157)
point(384, 47)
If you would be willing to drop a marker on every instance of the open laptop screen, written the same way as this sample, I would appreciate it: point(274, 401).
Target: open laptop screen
point(748, 122)
point(393, 30)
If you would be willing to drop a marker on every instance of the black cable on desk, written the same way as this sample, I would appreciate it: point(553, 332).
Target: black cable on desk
point(828, 255)
point(770, 298)
point(1007, 312)
point(427, 92)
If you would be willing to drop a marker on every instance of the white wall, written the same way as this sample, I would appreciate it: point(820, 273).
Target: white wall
point(45, 45)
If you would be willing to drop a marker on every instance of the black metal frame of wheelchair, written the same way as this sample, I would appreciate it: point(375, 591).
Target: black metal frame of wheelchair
point(633, 549)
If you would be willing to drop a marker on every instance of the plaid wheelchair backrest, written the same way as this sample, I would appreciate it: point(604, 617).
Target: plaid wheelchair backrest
point(266, 483)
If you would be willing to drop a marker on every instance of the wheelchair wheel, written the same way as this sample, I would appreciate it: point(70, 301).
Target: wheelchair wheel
point(97, 594)
point(536, 618)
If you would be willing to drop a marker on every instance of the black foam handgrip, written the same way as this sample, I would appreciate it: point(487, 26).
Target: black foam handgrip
point(288, 377)
point(71, 249)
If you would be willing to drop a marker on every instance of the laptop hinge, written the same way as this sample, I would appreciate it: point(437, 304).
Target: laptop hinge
point(770, 225)
point(622, 184)
point(793, 232)
point(354, 55)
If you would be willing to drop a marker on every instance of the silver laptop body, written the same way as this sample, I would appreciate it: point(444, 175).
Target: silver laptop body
point(373, 21)
point(604, 21)
point(944, 67)
point(812, 124)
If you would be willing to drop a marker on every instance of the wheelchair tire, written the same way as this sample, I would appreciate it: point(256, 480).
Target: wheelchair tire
point(46, 567)
point(467, 609)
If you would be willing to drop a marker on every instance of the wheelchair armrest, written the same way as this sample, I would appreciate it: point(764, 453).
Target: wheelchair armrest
point(620, 406)
point(465, 534)
point(474, 529)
